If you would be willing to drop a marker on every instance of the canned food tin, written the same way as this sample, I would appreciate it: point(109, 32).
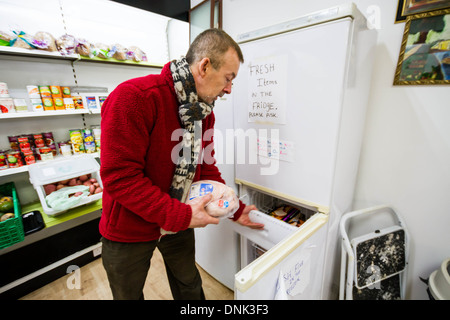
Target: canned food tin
point(20, 105)
point(36, 104)
point(39, 141)
point(66, 92)
point(49, 141)
point(14, 144)
point(29, 158)
point(4, 93)
point(45, 92)
point(24, 144)
point(7, 105)
point(59, 103)
point(68, 103)
point(3, 161)
point(48, 103)
point(56, 91)
point(14, 159)
point(65, 148)
point(78, 102)
point(46, 153)
point(33, 92)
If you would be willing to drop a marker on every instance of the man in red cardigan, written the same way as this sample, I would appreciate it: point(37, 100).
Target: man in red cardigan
point(144, 187)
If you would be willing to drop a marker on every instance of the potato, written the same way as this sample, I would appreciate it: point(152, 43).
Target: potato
point(60, 186)
point(49, 188)
point(72, 182)
point(64, 181)
point(91, 189)
point(98, 190)
point(83, 177)
point(87, 183)
point(93, 180)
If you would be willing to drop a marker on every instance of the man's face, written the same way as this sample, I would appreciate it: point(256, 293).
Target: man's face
point(215, 83)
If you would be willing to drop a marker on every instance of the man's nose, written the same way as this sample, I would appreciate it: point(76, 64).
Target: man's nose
point(227, 89)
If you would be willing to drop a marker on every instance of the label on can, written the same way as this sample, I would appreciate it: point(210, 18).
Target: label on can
point(7, 105)
point(65, 92)
point(78, 102)
point(4, 93)
point(33, 92)
point(68, 103)
point(36, 104)
point(59, 103)
point(45, 92)
point(56, 91)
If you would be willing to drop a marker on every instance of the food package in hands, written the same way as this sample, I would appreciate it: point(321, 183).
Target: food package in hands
point(224, 202)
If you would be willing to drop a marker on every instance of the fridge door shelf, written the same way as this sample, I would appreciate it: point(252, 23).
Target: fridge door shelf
point(248, 279)
point(274, 230)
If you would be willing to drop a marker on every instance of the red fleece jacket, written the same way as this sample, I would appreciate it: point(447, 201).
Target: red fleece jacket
point(138, 120)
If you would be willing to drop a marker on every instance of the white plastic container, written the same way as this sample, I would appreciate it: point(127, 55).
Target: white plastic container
point(43, 173)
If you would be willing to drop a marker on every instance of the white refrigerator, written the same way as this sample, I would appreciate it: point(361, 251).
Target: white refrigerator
point(299, 105)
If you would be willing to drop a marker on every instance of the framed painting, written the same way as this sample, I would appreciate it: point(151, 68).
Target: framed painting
point(409, 7)
point(425, 50)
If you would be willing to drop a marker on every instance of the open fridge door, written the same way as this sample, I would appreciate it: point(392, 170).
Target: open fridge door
point(292, 269)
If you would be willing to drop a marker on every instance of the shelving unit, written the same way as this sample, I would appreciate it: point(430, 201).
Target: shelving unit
point(44, 255)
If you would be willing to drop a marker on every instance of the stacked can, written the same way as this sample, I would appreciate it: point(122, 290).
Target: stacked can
point(47, 99)
point(35, 98)
point(6, 102)
point(97, 133)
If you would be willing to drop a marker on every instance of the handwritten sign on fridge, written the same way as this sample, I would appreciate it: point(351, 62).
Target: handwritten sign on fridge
point(267, 77)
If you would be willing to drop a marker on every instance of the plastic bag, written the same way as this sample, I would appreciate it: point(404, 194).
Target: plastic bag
point(224, 202)
point(66, 44)
point(44, 41)
point(61, 200)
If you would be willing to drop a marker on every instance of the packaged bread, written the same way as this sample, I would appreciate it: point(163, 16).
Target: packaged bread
point(224, 202)
point(22, 40)
point(66, 44)
point(100, 50)
point(5, 38)
point(136, 54)
point(44, 41)
point(83, 48)
point(118, 52)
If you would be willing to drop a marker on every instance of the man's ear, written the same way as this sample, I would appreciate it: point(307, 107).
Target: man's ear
point(203, 66)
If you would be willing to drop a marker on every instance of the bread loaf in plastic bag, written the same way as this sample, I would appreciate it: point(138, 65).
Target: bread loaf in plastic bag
point(224, 202)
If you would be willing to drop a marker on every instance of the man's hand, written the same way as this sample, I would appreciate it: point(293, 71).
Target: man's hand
point(245, 221)
point(199, 217)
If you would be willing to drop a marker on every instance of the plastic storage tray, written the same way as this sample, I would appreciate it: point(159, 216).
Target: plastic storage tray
point(43, 173)
point(11, 230)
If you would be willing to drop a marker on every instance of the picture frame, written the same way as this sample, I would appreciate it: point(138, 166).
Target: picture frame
point(424, 57)
point(410, 7)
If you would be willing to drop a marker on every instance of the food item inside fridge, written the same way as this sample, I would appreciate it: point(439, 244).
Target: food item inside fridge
point(224, 202)
point(289, 214)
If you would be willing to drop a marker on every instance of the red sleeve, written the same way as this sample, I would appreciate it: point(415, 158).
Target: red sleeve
point(127, 121)
point(209, 169)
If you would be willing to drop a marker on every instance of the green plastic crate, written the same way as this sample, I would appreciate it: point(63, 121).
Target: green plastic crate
point(11, 230)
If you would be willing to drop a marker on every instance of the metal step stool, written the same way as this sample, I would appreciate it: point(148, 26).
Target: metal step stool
point(374, 255)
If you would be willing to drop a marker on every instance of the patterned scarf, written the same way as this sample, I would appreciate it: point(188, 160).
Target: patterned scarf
point(191, 112)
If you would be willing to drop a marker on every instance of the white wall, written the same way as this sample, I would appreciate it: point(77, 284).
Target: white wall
point(405, 160)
